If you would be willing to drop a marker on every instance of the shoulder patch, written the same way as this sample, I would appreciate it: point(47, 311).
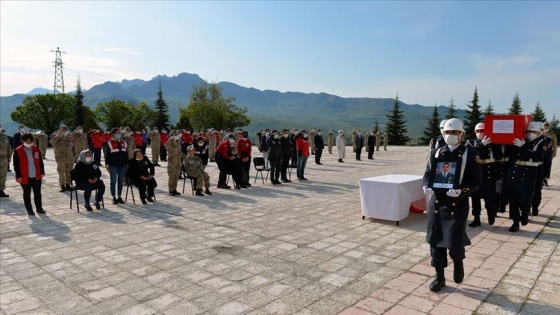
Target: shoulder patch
point(477, 158)
point(544, 147)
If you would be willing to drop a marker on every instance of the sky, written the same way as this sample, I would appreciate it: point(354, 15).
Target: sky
point(427, 52)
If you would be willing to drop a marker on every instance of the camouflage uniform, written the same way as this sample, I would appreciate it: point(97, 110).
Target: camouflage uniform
point(42, 143)
point(312, 134)
point(80, 142)
point(211, 144)
point(377, 140)
point(155, 142)
point(354, 134)
point(130, 144)
point(330, 140)
point(64, 157)
point(5, 154)
point(195, 168)
point(173, 147)
point(385, 141)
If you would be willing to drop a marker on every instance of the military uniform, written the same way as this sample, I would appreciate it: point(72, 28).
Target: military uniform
point(354, 134)
point(385, 141)
point(330, 140)
point(130, 143)
point(80, 142)
point(155, 141)
point(211, 144)
point(173, 148)
point(377, 140)
point(311, 138)
point(64, 157)
point(537, 196)
point(194, 167)
point(5, 155)
point(43, 143)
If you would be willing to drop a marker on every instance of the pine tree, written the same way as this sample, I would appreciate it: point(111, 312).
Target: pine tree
point(162, 121)
point(489, 110)
point(538, 114)
point(473, 116)
point(376, 127)
point(432, 130)
point(451, 110)
point(396, 125)
point(516, 105)
point(555, 126)
point(79, 110)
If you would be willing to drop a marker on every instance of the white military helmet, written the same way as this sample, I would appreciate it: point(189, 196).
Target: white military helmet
point(534, 126)
point(442, 123)
point(479, 126)
point(453, 124)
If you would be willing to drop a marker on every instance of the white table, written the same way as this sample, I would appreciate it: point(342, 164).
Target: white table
point(389, 197)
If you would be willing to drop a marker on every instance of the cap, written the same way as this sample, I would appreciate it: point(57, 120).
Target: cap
point(190, 147)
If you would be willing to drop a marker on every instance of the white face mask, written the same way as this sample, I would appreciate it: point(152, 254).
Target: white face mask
point(480, 135)
point(138, 159)
point(531, 136)
point(201, 143)
point(231, 142)
point(88, 159)
point(318, 133)
point(451, 140)
point(22, 130)
point(275, 136)
point(27, 145)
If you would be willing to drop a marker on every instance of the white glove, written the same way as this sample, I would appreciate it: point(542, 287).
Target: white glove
point(427, 191)
point(518, 142)
point(486, 141)
point(453, 193)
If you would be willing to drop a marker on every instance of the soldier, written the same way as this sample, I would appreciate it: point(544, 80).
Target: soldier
point(194, 167)
point(173, 147)
point(354, 134)
point(371, 145)
point(550, 154)
point(80, 141)
point(539, 182)
point(155, 141)
point(488, 154)
point(5, 154)
point(377, 140)
point(525, 157)
point(312, 133)
point(341, 146)
point(438, 141)
point(330, 140)
point(449, 208)
point(130, 143)
point(211, 144)
point(385, 140)
point(42, 142)
point(64, 156)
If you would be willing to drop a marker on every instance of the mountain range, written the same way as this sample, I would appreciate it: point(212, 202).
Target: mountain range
point(266, 108)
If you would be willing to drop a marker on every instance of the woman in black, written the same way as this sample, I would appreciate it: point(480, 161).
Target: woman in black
point(141, 172)
point(87, 175)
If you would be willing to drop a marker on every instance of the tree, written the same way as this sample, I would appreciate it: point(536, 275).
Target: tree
point(114, 113)
point(184, 121)
point(538, 114)
point(555, 126)
point(516, 105)
point(432, 130)
point(79, 110)
point(473, 116)
point(489, 110)
point(396, 125)
point(451, 110)
point(90, 121)
point(208, 108)
point(162, 120)
point(45, 111)
point(376, 127)
point(143, 117)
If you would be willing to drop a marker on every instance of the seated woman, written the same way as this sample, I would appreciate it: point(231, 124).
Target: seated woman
point(87, 175)
point(141, 172)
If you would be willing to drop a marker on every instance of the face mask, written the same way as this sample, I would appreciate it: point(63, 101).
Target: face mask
point(66, 133)
point(27, 145)
point(531, 136)
point(117, 136)
point(285, 135)
point(138, 159)
point(88, 159)
point(451, 139)
point(188, 132)
point(275, 136)
point(318, 133)
point(480, 135)
point(22, 130)
point(201, 143)
point(305, 136)
point(231, 142)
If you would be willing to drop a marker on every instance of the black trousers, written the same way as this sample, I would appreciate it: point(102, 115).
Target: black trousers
point(88, 188)
point(371, 150)
point(226, 167)
point(489, 203)
point(245, 167)
point(97, 155)
point(35, 185)
point(439, 255)
point(318, 154)
point(358, 153)
point(517, 207)
point(162, 153)
point(284, 167)
point(143, 184)
point(275, 169)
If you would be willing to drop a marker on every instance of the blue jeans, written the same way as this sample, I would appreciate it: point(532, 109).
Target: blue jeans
point(117, 174)
point(301, 162)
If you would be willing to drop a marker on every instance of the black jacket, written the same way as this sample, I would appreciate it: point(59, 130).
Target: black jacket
point(136, 168)
point(286, 146)
point(275, 149)
point(83, 172)
point(319, 143)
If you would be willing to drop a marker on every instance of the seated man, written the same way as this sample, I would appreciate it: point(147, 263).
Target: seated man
point(88, 177)
point(195, 168)
point(141, 172)
point(228, 163)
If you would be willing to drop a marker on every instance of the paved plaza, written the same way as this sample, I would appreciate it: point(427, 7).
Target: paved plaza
point(296, 248)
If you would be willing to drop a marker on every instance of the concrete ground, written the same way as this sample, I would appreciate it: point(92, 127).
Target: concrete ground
point(297, 248)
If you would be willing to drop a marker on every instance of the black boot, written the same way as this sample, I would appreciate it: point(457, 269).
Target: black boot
point(439, 282)
point(491, 218)
point(199, 192)
point(524, 217)
point(475, 222)
point(3, 194)
point(535, 211)
point(458, 271)
point(62, 188)
point(515, 226)
point(208, 191)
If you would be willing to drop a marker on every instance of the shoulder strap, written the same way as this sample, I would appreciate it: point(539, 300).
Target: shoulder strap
point(463, 165)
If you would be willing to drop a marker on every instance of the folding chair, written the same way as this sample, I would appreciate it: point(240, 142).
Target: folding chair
point(74, 192)
point(290, 168)
point(129, 185)
point(259, 164)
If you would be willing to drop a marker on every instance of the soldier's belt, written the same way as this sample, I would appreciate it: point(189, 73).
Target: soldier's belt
point(528, 163)
point(503, 160)
point(486, 161)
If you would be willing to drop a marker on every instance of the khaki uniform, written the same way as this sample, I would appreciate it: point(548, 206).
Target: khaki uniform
point(385, 140)
point(330, 141)
point(354, 134)
point(173, 148)
point(130, 145)
point(5, 155)
point(80, 142)
point(312, 134)
point(64, 156)
point(42, 143)
point(155, 142)
point(195, 168)
point(377, 140)
point(211, 144)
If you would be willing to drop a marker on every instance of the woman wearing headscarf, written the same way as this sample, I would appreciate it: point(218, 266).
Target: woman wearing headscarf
point(87, 175)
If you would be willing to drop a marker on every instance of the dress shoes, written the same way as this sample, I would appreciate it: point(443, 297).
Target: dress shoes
point(97, 205)
point(88, 207)
point(3, 194)
point(524, 218)
point(475, 222)
point(514, 227)
point(119, 200)
point(150, 199)
point(41, 211)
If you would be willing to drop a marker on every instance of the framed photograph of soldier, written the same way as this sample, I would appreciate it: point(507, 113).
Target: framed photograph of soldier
point(446, 174)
